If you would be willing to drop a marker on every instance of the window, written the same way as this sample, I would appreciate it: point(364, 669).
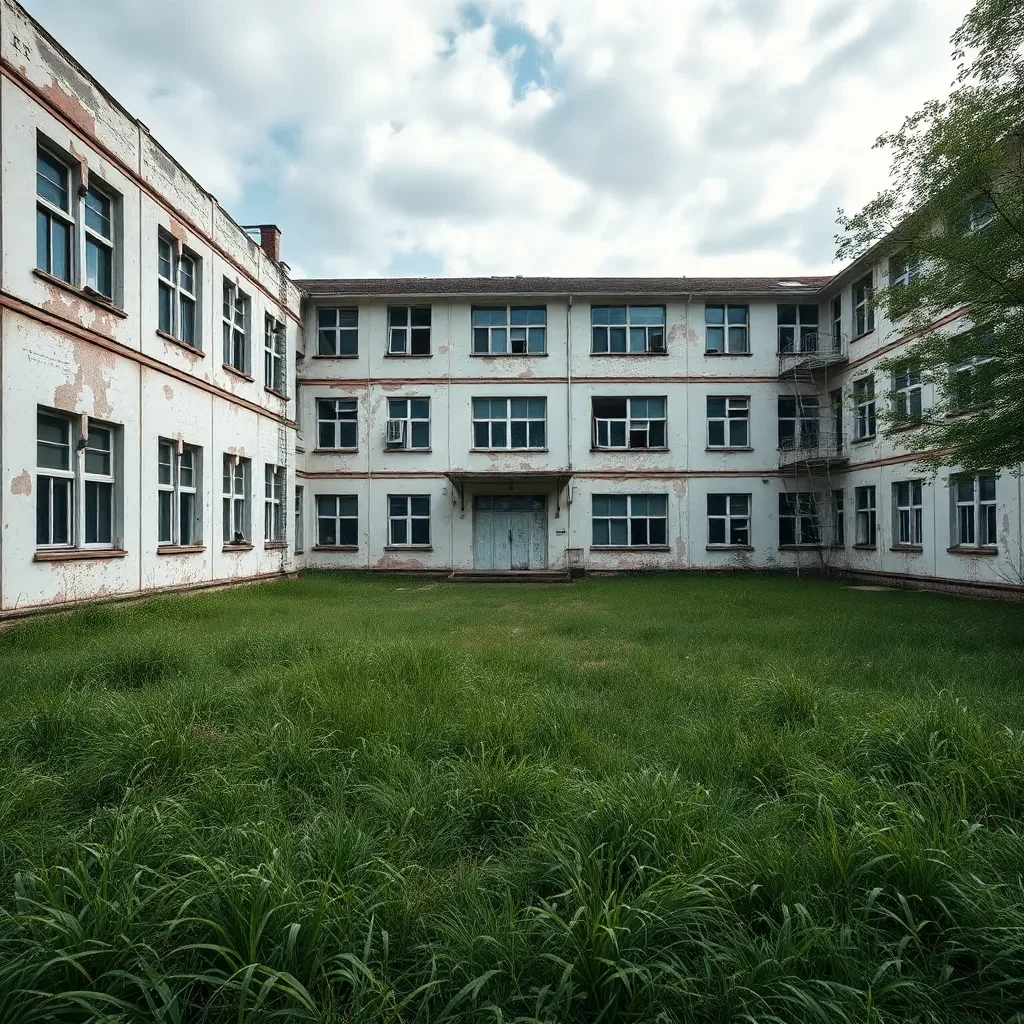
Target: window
point(54, 218)
point(836, 308)
point(178, 288)
point(838, 520)
point(980, 213)
point(864, 506)
point(903, 268)
point(274, 360)
point(729, 520)
point(630, 520)
point(970, 380)
point(337, 520)
point(236, 328)
point(798, 328)
point(798, 519)
point(179, 509)
point(300, 525)
point(726, 329)
point(864, 407)
point(627, 329)
point(337, 332)
point(75, 489)
point(799, 422)
point(975, 511)
point(629, 422)
point(509, 330)
point(906, 393)
point(273, 504)
point(237, 488)
point(99, 243)
point(336, 423)
point(408, 520)
point(409, 331)
point(728, 422)
point(509, 422)
point(414, 415)
point(908, 527)
point(863, 306)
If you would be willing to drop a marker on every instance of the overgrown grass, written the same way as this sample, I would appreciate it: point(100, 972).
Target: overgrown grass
point(346, 799)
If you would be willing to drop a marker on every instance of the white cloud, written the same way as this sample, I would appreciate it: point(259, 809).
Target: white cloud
point(657, 137)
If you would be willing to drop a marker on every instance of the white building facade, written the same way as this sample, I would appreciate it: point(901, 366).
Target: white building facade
point(176, 413)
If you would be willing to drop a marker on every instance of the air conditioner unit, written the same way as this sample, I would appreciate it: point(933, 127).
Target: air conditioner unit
point(394, 435)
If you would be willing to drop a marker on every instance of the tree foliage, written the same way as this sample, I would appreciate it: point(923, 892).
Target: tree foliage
point(954, 214)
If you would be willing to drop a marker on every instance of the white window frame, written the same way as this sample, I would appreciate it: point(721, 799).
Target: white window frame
point(408, 517)
point(863, 310)
point(174, 484)
point(904, 267)
point(865, 506)
point(907, 393)
point(908, 513)
point(727, 327)
point(275, 356)
point(104, 243)
point(300, 521)
point(735, 518)
point(736, 412)
point(274, 504)
point(329, 508)
point(51, 211)
point(409, 419)
point(401, 327)
point(806, 420)
point(336, 419)
point(236, 323)
point(338, 324)
point(632, 515)
point(237, 500)
point(636, 326)
point(179, 296)
point(975, 524)
point(980, 213)
point(508, 419)
point(865, 417)
point(633, 423)
point(45, 475)
point(836, 313)
point(801, 330)
point(838, 519)
point(509, 333)
point(804, 509)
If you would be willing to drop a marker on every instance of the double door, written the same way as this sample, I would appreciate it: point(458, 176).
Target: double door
point(509, 532)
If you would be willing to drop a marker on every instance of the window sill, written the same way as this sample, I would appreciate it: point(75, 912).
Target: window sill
point(274, 545)
point(630, 547)
point(913, 549)
point(725, 355)
point(179, 549)
point(335, 451)
point(335, 547)
point(605, 355)
point(865, 547)
point(509, 355)
point(902, 428)
point(77, 554)
point(88, 294)
point(275, 393)
point(193, 349)
point(319, 356)
point(967, 411)
point(729, 547)
point(801, 547)
point(408, 547)
point(867, 439)
point(726, 450)
point(973, 552)
point(407, 451)
point(237, 547)
point(857, 337)
point(638, 451)
point(408, 355)
point(234, 371)
point(506, 451)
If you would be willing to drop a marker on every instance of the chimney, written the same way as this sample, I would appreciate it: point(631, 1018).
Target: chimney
point(270, 241)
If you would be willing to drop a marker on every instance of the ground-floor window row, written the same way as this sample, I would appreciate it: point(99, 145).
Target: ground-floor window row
point(80, 490)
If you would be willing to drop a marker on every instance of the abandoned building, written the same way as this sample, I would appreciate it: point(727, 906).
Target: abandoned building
point(177, 412)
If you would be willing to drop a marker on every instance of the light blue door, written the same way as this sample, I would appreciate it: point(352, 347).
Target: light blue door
point(509, 532)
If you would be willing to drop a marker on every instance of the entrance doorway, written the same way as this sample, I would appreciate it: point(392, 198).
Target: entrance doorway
point(510, 532)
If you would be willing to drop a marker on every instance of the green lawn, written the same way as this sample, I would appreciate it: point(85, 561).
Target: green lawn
point(696, 798)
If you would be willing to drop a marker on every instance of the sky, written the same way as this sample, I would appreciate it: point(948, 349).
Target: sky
point(535, 137)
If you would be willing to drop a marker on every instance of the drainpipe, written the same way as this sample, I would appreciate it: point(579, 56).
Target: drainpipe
point(568, 427)
point(686, 419)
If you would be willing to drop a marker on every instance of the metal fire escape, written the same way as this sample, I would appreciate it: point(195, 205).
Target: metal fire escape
point(819, 445)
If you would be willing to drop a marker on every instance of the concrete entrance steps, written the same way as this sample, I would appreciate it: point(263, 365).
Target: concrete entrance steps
point(513, 576)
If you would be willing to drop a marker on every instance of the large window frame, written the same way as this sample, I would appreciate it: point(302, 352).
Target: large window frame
point(728, 422)
point(628, 330)
point(863, 292)
point(408, 520)
point(337, 422)
point(236, 328)
point(275, 356)
point(904, 268)
point(908, 513)
point(414, 413)
point(621, 423)
point(799, 519)
point(729, 520)
point(179, 281)
point(975, 523)
point(907, 393)
point(836, 314)
point(629, 521)
point(799, 422)
point(510, 424)
point(798, 327)
point(274, 504)
point(237, 501)
point(337, 521)
point(865, 420)
point(409, 330)
point(726, 329)
point(510, 330)
point(337, 332)
point(179, 494)
point(866, 516)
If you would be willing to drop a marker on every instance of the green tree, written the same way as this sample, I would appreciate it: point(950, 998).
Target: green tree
point(951, 225)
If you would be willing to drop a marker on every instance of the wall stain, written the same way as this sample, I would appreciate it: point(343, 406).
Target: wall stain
point(93, 368)
point(168, 392)
point(22, 484)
